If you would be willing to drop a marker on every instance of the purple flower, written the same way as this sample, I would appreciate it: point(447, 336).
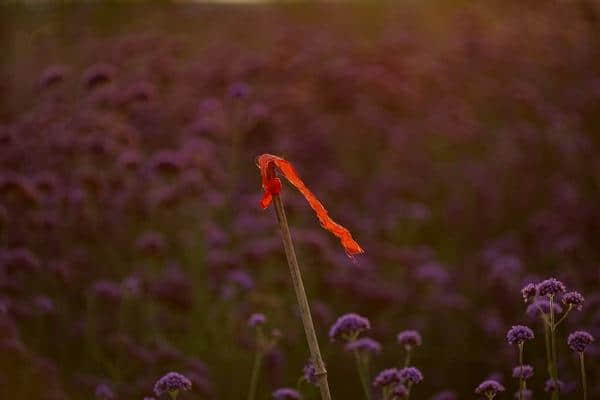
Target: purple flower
point(172, 383)
point(529, 292)
point(533, 310)
point(410, 375)
point(257, 319)
point(387, 377)
point(348, 327)
point(573, 299)
point(286, 394)
point(399, 392)
point(98, 74)
point(489, 388)
point(238, 90)
point(310, 372)
point(579, 340)
point(103, 392)
point(523, 372)
point(519, 334)
point(554, 385)
point(550, 287)
point(409, 338)
point(365, 344)
point(52, 75)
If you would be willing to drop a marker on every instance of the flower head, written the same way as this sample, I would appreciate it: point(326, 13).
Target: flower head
point(399, 392)
point(286, 394)
point(529, 292)
point(257, 319)
point(550, 287)
point(365, 345)
point(309, 373)
point(348, 327)
point(104, 392)
point(489, 388)
point(519, 334)
point(172, 383)
point(579, 340)
point(445, 395)
point(409, 338)
point(410, 375)
point(523, 372)
point(573, 299)
point(387, 378)
point(554, 385)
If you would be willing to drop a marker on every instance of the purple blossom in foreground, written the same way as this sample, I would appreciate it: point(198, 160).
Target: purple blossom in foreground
point(523, 372)
point(172, 383)
point(387, 377)
point(574, 300)
point(519, 334)
point(554, 385)
point(489, 388)
point(366, 345)
point(257, 319)
point(348, 327)
point(579, 340)
point(550, 287)
point(411, 375)
point(529, 292)
point(409, 338)
point(103, 392)
point(286, 394)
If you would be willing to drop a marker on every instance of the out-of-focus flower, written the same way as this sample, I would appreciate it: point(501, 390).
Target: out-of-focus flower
point(523, 372)
point(365, 344)
point(543, 305)
point(98, 74)
point(579, 340)
point(409, 338)
point(489, 388)
point(519, 334)
point(348, 327)
point(399, 392)
point(286, 394)
point(256, 320)
point(104, 392)
point(553, 385)
point(410, 375)
point(172, 383)
point(445, 395)
point(387, 378)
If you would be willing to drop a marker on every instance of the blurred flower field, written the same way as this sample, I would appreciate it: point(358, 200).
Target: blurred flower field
point(459, 143)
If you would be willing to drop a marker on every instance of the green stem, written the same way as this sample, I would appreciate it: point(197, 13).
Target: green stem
point(407, 357)
point(583, 380)
point(363, 374)
point(255, 374)
point(548, 353)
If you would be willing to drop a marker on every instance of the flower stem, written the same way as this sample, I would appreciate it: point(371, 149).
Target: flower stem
point(555, 393)
point(407, 357)
point(521, 380)
point(309, 329)
point(255, 373)
point(363, 374)
point(583, 380)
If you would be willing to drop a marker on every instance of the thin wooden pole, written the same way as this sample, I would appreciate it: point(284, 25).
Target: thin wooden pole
point(309, 328)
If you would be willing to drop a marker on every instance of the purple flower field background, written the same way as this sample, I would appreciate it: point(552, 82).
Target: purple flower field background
point(459, 144)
